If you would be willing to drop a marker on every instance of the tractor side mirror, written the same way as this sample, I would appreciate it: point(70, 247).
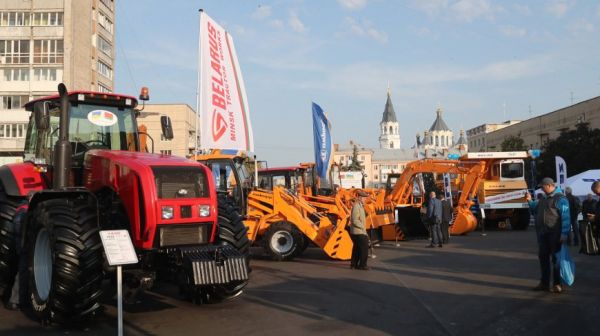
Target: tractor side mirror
point(167, 127)
point(41, 115)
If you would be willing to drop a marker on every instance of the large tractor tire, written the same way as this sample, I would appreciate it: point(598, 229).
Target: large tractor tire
point(231, 232)
point(282, 241)
point(8, 248)
point(65, 260)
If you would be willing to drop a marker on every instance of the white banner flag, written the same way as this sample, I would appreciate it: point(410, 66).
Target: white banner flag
point(223, 106)
point(561, 172)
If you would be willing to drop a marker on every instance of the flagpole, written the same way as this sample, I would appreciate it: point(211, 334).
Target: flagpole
point(198, 83)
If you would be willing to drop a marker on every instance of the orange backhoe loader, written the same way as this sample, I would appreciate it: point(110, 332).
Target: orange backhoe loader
point(277, 219)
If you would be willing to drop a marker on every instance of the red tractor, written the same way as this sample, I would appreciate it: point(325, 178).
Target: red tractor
point(83, 172)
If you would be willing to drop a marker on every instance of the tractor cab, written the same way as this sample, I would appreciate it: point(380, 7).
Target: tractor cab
point(95, 121)
point(231, 175)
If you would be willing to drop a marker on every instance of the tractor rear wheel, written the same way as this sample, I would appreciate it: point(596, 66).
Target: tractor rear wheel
point(231, 232)
point(282, 241)
point(65, 260)
point(8, 248)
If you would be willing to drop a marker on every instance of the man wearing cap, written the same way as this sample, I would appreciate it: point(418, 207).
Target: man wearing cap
point(552, 225)
point(358, 233)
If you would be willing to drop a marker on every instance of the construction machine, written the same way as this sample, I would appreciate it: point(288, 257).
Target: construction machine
point(83, 172)
point(277, 218)
point(503, 189)
point(407, 204)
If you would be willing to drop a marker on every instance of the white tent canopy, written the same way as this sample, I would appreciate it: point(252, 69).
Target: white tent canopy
point(581, 183)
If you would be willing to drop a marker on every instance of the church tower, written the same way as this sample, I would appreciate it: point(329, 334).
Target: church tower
point(439, 136)
point(389, 130)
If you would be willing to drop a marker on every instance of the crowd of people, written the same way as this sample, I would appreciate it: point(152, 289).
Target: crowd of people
point(556, 217)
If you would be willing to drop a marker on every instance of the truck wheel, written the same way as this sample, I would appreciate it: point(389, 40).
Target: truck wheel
point(65, 260)
point(520, 219)
point(231, 232)
point(303, 245)
point(8, 252)
point(282, 241)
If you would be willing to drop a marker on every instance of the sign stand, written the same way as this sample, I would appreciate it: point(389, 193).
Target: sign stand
point(119, 251)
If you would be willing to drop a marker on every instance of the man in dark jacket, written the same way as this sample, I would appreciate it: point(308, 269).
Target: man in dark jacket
point(552, 225)
point(574, 206)
point(588, 209)
point(446, 218)
point(434, 215)
point(595, 218)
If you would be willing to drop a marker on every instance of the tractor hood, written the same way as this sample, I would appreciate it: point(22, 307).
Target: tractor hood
point(138, 159)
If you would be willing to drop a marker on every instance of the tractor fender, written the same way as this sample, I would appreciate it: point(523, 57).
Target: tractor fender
point(20, 179)
point(44, 195)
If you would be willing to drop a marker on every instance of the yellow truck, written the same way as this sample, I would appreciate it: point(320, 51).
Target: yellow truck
point(502, 191)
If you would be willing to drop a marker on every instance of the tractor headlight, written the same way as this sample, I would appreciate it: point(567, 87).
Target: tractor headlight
point(204, 210)
point(167, 212)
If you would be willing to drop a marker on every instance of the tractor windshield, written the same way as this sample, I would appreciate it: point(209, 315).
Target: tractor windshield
point(90, 127)
point(93, 126)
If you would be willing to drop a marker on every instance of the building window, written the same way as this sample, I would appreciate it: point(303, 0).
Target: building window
point(14, 51)
point(391, 144)
point(12, 130)
point(105, 22)
point(44, 75)
point(443, 141)
point(47, 19)
point(437, 140)
point(102, 88)
point(162, 138)
point(14, 19)
point(165, 152)
point(109, 4)
point(48, 51)
point(104, 70)
point(15, 74)
point(375, 167)
point(104, 45)
point(13, 102)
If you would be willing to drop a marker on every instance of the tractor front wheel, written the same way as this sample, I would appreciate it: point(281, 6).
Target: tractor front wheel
point(282, 241)
point(65, 260)
point(231, 232)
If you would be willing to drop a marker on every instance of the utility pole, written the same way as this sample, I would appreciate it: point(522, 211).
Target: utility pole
point(571, 97)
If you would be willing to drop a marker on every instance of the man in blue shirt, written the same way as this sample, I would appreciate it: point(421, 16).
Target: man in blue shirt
point(552, 225)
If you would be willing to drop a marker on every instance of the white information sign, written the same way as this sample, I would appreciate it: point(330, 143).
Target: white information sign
point(505, 197)
point(118, 247)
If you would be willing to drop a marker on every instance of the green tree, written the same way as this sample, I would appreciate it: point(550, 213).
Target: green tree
point(513, 143)
point(355, 164)
point(579, 148)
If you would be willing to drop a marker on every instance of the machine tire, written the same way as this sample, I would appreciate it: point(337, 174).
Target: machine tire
point(65, 233)
point(520, 219)
point(282, 241)
point(303, 245)
point(233, 232)
point(8, 249)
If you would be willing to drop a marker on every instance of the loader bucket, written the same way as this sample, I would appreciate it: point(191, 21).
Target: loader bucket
point(464, 222)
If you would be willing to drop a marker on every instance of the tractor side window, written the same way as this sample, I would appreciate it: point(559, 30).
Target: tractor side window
point(31, 141)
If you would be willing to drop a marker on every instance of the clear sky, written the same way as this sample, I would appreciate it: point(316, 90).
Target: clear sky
point(482, 61)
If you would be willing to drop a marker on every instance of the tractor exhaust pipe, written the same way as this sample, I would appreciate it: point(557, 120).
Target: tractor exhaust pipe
point(62, 148)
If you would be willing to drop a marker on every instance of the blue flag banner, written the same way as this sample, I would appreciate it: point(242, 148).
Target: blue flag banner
point(322, 139)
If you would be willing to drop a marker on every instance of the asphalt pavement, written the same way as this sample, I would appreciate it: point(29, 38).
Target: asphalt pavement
point(475, 285)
